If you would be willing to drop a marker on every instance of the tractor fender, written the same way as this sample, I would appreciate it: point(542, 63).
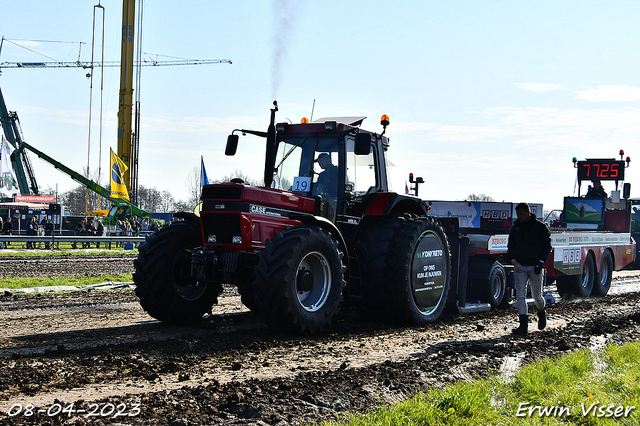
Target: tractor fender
point(321, 222)
point(387, 203)
point(188, 216)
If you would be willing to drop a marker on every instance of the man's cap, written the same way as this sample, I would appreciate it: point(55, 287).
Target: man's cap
point(595, 180)
point(322, 156)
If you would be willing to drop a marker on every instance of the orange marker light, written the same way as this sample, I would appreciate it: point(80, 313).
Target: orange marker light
point(304, 120)
point(384, 120)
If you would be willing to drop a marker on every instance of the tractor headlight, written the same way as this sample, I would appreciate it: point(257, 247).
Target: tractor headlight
point(211, 238)
point(330, 125)
point(236, 240)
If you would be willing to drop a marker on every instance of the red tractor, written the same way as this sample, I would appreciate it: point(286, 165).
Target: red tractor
point(323, 229)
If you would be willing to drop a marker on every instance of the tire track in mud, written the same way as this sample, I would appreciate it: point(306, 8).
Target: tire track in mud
point(71, 265)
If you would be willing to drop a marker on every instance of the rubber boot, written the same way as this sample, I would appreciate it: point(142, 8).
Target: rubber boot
point(542, 319)
point(524, 323)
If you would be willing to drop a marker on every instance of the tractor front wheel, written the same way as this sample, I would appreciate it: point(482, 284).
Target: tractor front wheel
point(299, 280)
point(163, 276)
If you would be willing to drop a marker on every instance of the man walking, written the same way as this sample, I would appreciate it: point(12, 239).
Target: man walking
point(528, 249)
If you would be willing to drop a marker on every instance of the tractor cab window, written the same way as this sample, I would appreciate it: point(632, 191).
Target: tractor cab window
point(120, 212)
point(288, 169)
point(361, 170)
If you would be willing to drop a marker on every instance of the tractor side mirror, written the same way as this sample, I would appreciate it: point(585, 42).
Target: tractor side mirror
point(232, 145)
point(626, 190)
point(362, 144)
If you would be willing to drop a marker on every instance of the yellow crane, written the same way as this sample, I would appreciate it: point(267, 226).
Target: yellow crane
point(128, 127)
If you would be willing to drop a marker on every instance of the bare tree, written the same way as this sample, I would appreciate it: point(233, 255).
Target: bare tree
point(193, 187)
point(149, 199)
point(166, 202)
point(238, 174)
point(479, 197)
point(182, 206)
point(74, 199)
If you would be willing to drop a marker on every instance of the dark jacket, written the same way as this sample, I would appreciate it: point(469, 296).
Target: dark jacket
point(596, 193)
point(529, 242)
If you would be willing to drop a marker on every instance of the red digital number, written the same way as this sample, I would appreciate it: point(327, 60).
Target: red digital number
point(603, 171)
point(615, 170)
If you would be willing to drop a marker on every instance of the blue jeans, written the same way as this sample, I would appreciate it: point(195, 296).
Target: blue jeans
point(523, 274)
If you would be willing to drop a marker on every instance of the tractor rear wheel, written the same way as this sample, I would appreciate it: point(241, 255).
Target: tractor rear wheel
point(419, 272)
point(163, 276)
point(299, 280)
point(406, 270)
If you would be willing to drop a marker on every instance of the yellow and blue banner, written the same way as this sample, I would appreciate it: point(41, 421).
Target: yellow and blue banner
point(118, 168)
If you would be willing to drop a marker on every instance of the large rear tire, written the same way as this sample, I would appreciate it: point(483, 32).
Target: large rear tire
point(163, 276)
point(406, 270)
point(602, 281)
point(420, 272)
point(299, 280)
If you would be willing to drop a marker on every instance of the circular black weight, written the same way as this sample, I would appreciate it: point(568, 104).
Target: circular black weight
point(428, 271)
point(163, 276)
point(419, 272)
point(602, 281)
point(299, 280)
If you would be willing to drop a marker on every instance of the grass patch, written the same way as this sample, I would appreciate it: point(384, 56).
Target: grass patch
point(581, 388)
point(79, 280)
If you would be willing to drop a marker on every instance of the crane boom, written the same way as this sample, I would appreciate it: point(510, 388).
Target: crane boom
point(92, 65)
point(21, 164)
point(93, 186)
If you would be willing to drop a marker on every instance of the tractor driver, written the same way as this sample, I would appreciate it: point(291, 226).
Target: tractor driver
point(327, 183)
point(596, 191)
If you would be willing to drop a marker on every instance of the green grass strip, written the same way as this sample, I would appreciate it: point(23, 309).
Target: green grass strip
point(79, 280)
point(581, 388)
point(64, 252)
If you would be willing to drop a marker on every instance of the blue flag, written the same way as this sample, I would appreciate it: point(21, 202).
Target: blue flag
point(204, 180)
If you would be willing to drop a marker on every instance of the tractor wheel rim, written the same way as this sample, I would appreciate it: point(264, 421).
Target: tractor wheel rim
point(317, 265)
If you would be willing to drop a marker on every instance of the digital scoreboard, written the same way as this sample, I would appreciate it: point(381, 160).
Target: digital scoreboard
point(603, 169)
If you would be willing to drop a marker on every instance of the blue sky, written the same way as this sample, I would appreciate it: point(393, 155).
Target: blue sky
point(491, 97)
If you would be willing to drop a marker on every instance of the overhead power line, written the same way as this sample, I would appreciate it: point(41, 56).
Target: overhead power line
point(90, 65)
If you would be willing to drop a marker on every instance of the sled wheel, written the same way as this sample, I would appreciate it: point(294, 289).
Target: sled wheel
point(496, 287)
point(490, 289)
point(578, 286)
point(163, 276)
point(299, 280)
point(602, 281)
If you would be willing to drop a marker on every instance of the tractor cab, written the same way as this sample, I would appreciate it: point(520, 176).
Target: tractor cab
point(330, 159)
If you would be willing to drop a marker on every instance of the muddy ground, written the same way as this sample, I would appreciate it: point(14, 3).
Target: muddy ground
point(96, 358)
